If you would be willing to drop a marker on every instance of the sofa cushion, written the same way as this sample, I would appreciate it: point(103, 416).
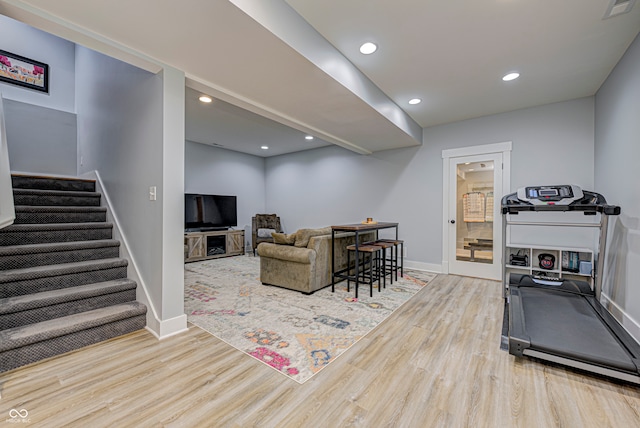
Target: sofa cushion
point(287, 253)
point(265, 233)
point(303, 235)
point(283, 238)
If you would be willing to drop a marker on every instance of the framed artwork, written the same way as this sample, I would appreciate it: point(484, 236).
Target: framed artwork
point(21, 71)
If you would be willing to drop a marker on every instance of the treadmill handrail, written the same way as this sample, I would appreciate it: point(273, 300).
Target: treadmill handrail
point(540, 223)
point(586, 209)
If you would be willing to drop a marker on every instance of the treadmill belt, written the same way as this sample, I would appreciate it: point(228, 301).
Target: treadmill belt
point(566, 325)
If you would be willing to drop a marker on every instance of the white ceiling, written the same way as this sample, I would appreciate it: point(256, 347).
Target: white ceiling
point(453, 54)
point(297, 62)
point(221, 124)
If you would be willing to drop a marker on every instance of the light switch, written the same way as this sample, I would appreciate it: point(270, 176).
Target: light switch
point(152, 193)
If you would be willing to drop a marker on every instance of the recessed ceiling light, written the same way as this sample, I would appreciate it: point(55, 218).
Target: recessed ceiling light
point(205, 99)
point(414, 101)
point(264, 147)
point(308, 137)
point(368, 48)
point(510, 76)
point(618, 7)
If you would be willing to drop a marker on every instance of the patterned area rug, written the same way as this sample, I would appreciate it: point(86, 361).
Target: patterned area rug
point(296, 334)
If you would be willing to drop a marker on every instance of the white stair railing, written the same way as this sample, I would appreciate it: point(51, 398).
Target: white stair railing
point(7, 210)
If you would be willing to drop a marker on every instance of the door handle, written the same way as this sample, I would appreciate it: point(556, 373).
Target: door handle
point(452, 221)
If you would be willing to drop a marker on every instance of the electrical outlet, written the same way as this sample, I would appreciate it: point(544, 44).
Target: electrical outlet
point(152, 193)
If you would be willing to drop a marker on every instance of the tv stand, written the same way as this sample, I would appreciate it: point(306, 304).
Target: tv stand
point(212, 244)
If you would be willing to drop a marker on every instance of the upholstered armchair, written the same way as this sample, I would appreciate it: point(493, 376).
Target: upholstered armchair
point(261, 227)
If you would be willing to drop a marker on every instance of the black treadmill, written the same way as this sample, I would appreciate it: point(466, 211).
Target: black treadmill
point(561, 320)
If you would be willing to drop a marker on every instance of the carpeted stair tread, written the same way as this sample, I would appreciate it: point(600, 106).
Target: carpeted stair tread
point(53, 347)
point(47, 192)
point(37, 300)
point(18, 234)
point(54, 226)
point(29, 214)
point(48, 305)
point(26, 335)
point(59, 208)
point(36, 272)
point(50, 247)
point(55, 197)
point(30, 255)
point(52, 183)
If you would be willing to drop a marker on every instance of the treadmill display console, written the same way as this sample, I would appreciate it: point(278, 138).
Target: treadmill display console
point(550, 195)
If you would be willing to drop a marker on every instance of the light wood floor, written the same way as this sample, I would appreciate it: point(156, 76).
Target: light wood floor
point(435, 363)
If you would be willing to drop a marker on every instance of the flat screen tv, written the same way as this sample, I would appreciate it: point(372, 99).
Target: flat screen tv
point(209, 212)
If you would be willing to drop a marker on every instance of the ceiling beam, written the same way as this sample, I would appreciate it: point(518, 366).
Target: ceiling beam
point(285, 23)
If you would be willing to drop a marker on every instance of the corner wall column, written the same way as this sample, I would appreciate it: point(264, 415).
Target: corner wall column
point(173, 319)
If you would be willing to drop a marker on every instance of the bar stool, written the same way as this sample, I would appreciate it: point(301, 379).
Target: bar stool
point(386, 262)
point(373, 275)
point(396, 243)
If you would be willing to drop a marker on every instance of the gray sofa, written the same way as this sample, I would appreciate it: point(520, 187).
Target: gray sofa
point(304, 262)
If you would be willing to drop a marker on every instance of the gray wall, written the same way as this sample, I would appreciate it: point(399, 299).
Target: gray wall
point(617, 176)
point(213, 170)
point(120, 136)
point(41, 127)
point(23, 40)
point(41, 140)
point(551, 144)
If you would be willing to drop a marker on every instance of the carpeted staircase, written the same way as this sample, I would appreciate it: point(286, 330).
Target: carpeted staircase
point(62, 283)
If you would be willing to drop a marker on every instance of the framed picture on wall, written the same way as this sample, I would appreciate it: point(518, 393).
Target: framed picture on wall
point(25, 72)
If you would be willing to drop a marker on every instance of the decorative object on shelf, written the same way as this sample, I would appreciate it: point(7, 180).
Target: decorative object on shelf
point(369, 220)
point(561, 265)
point(519, 259)
point(585, 268)
point(547, 261)
point(573, 261)
point(25, 72)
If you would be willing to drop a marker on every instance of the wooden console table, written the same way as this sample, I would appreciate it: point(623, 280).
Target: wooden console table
point(357, 228)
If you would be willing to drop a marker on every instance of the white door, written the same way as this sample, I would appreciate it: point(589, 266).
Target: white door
point(474, 219)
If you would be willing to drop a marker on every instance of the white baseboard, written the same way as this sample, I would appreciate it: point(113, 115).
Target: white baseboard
point(167, 328)
point(429, 267)
point(631, 325)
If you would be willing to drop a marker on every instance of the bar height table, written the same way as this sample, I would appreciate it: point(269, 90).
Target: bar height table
point(357, 228)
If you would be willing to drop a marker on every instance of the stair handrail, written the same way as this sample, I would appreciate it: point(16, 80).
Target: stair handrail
point(7, 209)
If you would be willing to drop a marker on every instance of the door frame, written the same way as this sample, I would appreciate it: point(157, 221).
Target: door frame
point(486, 149)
